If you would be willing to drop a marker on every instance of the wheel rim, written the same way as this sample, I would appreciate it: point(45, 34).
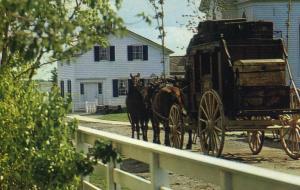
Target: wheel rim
point(211, 124)
point(256, 140)
point(176, 127)
point(290, 139)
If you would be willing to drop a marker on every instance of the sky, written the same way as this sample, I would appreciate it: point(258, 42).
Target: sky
point(177, 36)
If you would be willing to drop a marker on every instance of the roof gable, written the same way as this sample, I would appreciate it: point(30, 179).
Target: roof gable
point(150, 42)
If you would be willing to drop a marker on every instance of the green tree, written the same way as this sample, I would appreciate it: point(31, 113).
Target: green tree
point(58, 29)
point(36, 149)
point(54, 76)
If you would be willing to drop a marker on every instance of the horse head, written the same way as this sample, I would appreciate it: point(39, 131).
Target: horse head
point(178, 97)
point(136, 80)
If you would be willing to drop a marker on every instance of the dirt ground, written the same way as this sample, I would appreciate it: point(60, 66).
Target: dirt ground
point(236, 149)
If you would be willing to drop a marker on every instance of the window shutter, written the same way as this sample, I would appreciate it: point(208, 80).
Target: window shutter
point(69, 86)
point(112, 53)
point(145, 53)
point(62, 88)
point(129, 53)
point(115, 88)
point(96, 53)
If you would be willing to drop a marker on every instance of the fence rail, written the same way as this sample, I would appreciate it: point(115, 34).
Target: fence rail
point(227, 175)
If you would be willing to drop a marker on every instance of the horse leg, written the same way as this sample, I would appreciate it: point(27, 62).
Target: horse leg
point(144, 133)
point(190, 141)
point(138, 130)
point(154, 130)
point(154, 133)
point(132, 130)
point(157, 133)
point(167, 133)
point(145, 130)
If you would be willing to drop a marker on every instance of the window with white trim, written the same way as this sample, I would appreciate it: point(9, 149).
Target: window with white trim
point(122, 87)
point(104, 53)
point(137, 52)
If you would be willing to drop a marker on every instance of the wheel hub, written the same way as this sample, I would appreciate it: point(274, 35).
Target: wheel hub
point(210, 123)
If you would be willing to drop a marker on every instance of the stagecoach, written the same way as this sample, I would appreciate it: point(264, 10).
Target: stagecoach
point(238, 79)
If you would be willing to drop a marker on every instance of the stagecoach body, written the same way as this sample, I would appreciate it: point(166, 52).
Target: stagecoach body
point(238, 80)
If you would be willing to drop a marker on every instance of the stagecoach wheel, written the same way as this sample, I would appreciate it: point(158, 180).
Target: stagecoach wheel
point(211, 123)
point(176, 127)
point(256, 141)
point(290, 137)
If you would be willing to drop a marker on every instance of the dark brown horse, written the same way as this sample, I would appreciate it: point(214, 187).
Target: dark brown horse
point(136, 108)
point(160, 100)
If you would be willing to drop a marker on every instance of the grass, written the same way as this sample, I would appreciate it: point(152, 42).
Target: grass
point(115, 117)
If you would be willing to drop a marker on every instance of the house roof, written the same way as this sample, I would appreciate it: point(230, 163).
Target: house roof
point(168, 51)
point(177, 64)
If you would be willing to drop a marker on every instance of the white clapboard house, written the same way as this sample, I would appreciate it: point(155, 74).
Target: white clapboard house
point(285, 17)
point(100, 76)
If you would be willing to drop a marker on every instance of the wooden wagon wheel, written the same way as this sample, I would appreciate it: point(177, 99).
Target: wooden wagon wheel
point(176, 127)
point(290, 135)
point(211, 123)
point(256, 141)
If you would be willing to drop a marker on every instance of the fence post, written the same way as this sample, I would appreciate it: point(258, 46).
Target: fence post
point(86, 107)
point(109, 176)
point(225, 180)
point(159, 177)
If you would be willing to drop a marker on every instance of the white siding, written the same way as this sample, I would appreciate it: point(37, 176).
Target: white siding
point(85, 69)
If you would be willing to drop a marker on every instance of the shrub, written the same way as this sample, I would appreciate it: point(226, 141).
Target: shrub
point(36, 151)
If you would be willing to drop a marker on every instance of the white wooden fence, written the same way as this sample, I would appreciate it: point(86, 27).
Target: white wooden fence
point(90, 107)
point(227, 175)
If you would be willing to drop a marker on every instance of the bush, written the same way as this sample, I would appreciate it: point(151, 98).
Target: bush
point(36, 151)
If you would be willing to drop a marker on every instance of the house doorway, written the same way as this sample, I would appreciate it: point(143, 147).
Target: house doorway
point(94, 92)
point(91, 92)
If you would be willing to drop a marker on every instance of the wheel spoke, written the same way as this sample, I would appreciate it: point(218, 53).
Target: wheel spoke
point(218, 119)
point(211, 97)
point(217, 129)
point(217, 137)
point(203, 120)
point(202, 131)
point(207, 109)
point(208, 104)
point(212, 105)
point(204, 112)
point(215, 111)
point(258, 139)
point(176, 115)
